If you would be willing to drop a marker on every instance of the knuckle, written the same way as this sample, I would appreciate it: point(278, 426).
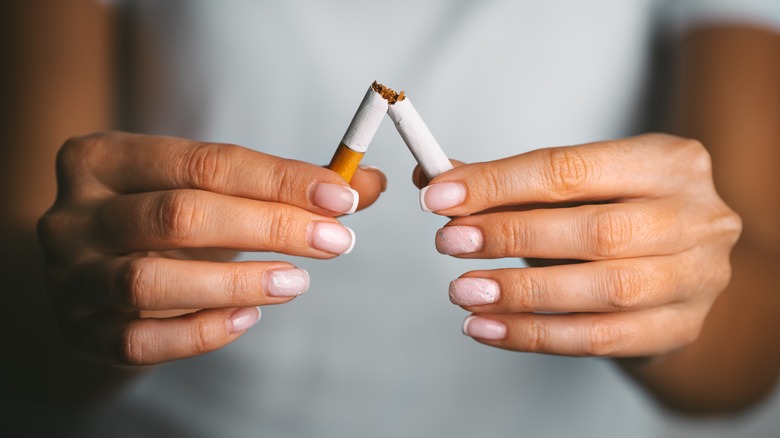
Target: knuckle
point(535, 336)
point(691, 335)
point(721, 275)
point(279, 227)
point(568, 171)
point(696, 155)
point(54, 233)
point(204, 336)
point(130, 350)
point(47, 228)
point(495, 184)
point(137, 284)
point(729, 224)
point(206, 165)
point(624, 288)
point(515, 238)
point(179, 215)
point(613, 232)
point(77, 150)
point(604, 338)
point(529, 291)
point(75, 157)
point(243, 286)
point(284, 179)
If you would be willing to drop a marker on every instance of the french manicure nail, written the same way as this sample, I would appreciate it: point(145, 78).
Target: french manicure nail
point(286, 282)
point(332, 238)
point(442, 196)
point(242, 319)
point(483, 328)
point(335, 197)
point(474, 291)
point(459, 240)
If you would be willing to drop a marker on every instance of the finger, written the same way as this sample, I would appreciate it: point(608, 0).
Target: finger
point(125, 340)
point(154, 283)
point(131, 163)
point(648, 166)
point(199, 219)
point(623, 334)
point(603, 286)
point(370, 182)
point(420, 180)
point(588, 232)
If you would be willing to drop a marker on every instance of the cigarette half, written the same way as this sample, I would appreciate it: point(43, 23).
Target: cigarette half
point(360, 132)
point(418, 138)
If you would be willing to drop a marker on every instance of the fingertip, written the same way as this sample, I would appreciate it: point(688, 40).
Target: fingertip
point(418, 177)
point(370, 182)
point(486, 329)
point(243, 319)
point(420, 180)
point(378, 172)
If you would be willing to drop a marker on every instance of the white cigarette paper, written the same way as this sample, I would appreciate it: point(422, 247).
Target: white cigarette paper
point(366, 122)
point(419, 139)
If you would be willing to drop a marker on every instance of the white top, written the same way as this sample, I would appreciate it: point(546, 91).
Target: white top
point(374, 348)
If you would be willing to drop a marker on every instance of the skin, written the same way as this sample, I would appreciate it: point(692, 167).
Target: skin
point(109, 264)
point(660, 289)
point(120, 236)
point(657, 246)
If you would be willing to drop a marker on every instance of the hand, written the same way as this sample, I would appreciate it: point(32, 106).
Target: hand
point(646, 235)
point(135, 213)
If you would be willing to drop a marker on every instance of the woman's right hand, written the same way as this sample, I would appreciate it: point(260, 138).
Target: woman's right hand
point(134, 216)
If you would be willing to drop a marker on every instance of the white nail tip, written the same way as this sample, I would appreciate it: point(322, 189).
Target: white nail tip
point(355, 200)
point(351, 245)
point(422, 199)
point(466, 322)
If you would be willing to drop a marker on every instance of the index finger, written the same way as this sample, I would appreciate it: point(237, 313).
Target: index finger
point(131, 163)
point(647, 166)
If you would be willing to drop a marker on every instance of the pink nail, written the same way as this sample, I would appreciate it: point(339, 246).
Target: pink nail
point(332, 238)
point(242, 319)
point(442, 196)
point(474, 291)
point(334, 197)
point(286, 282)
point(459, 240)
point(483, 328)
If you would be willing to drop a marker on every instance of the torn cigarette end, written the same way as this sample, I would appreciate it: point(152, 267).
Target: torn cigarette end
point(360, 132)
point(388, 93)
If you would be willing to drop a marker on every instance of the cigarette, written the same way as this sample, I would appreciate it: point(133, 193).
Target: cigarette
point(418, 137)
point(360, 132)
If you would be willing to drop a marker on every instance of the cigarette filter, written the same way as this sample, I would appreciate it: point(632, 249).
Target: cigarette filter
point(418, 138)
point(360, 132)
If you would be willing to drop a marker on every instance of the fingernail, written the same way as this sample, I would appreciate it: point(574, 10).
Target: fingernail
point(474, 291)
point(483, 328)
point(286, 282)
point(442, 196)
point(335, 197)
point(382, 176)
point(242, 319)
point(332, 238)
point(459, 240)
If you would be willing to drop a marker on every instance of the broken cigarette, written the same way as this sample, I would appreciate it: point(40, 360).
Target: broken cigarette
point(418, 137)
point(359, 133)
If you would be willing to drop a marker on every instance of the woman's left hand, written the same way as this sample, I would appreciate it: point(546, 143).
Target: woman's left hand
point(644, 233)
